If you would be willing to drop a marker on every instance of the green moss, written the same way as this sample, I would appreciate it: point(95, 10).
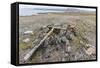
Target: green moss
point(75, 42)
point(83, 37)
point(25, 46)
point(28, 45)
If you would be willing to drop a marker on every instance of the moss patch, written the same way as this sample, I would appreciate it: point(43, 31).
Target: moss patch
point(24, 46)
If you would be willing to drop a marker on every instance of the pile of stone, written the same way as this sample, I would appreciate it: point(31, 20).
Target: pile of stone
point(63, 44)
point(60, 43)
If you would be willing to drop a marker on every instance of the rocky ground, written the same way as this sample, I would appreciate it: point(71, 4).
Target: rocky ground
point(76, 42)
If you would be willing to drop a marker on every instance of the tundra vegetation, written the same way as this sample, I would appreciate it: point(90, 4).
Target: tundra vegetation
point(76, 42)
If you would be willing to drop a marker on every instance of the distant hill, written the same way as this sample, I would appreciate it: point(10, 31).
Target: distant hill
point(76, 10)
point(72, 10)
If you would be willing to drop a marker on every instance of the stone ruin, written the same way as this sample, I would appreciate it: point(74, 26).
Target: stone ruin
point(63, 44)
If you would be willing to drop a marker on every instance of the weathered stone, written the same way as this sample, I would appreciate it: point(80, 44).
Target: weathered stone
point(63, 39)
point(26, 40)
point(66, 54)
point(88, 45)
point(72, 36)
point(81, 42)
point(69, 48)
point(62, 44)
point(67, 42)
point(46, 30)
point(69, 35)
point(29, 32)
point(63, 59)
point(91, 50)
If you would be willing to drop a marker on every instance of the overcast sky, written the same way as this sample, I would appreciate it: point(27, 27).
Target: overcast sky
point(52, 7)
point(25, 10)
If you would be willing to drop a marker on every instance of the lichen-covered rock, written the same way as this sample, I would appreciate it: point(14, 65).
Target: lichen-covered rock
point(26, 40)
point(88, 45)
point(91, 50)
point(29, 32)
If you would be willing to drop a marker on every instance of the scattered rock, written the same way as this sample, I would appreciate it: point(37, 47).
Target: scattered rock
point(88, 45)
point(65, 45)
point(47, 56)
point(91, 50)
point(29, 32)
point(81, 42)
point(69, 48)
point(26, 40)
point(72, 36)
point(67, 42)
point(63, 39)
point(66, 54)
point(63, 59)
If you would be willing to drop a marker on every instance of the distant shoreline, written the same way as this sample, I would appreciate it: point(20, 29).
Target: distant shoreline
point(71, 13)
